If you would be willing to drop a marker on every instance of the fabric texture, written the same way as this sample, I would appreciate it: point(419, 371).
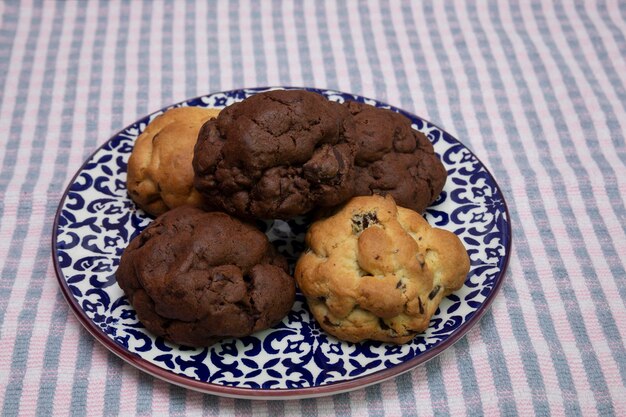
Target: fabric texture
point(535, 88)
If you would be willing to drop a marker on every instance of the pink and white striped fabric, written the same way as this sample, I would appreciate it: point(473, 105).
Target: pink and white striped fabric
point(535, 88)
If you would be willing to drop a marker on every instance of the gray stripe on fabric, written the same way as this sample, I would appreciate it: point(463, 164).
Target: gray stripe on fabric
point(167, 55)
point(306, 67)
point(341, 404)
point(374, 401)
point(420, 62)
point(59, 317)
point(143, 59)
point(119, 73)
point(608, 248)
point(406, 394)
point(50, 365)
point(8, 29)
point(243, 407)
point(211, 405)
point(373, 60)
point(26, 317)
point(356, 84)
point(10, 145)
point(495, 355)
point(529, 356)
point(144, 393)
point(236, 56)
point(397, 62)
point(437, 388)
point(280, 42)
point(469, 382)
point(607, 18)
point(81, 373)
point(276, 408)
point(592, 282)
point(258, 42)
point(114, 364)
point(191, 77)
point(506, 395)
point(92, 137)
point(452, 89)
point(178, 400)
point(145, 381)
point(308, 407)
point(326, 46)
point(115, 370)
point(612, 122)
point(616, 32)
point(213, 47)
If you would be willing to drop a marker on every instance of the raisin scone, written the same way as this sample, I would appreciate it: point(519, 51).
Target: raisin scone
point(160, 174)
point(276, 154)
point(378, 271)
point(196, 277)
point(393, 158)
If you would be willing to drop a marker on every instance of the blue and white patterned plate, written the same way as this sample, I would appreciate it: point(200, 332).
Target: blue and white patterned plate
point(295, 359)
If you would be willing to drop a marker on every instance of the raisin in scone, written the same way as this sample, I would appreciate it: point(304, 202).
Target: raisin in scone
point(196, 277)
point(378, 271)
point(160, 174)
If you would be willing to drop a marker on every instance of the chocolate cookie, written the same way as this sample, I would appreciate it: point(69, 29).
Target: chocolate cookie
point(393, 158)
point(378, 271)
point(276, 154)
point(160, 175)
point(196, 277)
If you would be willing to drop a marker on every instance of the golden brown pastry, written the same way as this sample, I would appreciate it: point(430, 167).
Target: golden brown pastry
point(160, 173)
point(378, 271)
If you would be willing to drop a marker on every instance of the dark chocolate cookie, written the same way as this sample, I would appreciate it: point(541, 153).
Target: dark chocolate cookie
point(196, 277)
point(276, 154)
point(393, 158)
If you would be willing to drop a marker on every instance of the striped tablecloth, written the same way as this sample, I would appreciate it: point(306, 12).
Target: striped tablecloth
point(535, 88)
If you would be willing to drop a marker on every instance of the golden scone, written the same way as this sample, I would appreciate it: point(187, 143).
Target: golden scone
point(160, 173)
point(378, 271)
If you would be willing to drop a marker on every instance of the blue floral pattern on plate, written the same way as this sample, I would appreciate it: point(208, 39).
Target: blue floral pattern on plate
point(96, 220)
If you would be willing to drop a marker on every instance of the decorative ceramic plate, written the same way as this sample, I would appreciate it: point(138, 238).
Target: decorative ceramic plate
point(295, 359)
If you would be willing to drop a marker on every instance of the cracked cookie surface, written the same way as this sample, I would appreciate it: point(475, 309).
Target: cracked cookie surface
point(378, 271)
point(160, 175)
point(276, 154)
point(393, 158)
point(196, 277)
